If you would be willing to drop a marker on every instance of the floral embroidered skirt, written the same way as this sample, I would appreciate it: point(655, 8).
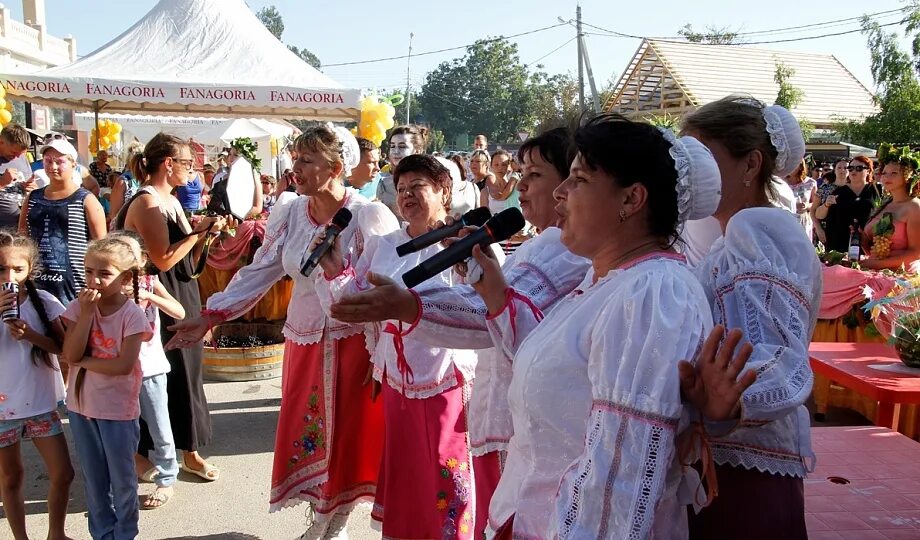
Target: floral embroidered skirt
point(430, 486)
point(330, 434)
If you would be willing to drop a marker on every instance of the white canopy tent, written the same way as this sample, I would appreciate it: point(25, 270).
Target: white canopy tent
point(192, 58)
point(213, 133)
point(260, 131)
point(144, 127)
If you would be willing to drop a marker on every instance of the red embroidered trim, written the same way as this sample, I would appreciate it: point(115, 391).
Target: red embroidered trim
point(347, 270)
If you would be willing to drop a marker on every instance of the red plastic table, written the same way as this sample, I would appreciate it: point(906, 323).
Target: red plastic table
point(866, 485)
point(848, 364)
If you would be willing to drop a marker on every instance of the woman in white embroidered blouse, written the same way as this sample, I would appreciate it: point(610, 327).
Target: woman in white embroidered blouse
point(595, 396)
point(763, 277)
point(429, 482)
point(455, 316)
point(330, 433)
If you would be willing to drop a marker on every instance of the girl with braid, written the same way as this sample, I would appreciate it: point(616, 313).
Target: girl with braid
point(153, 298)
point(30, 387)
point(105, 330)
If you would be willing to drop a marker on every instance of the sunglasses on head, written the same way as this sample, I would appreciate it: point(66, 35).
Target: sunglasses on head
point(857, 168)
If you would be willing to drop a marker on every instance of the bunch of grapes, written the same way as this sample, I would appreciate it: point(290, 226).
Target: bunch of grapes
point(881, 246)
point(227, 342)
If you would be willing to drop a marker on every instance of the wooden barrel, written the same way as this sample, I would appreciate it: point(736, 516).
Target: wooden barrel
point(235, 364)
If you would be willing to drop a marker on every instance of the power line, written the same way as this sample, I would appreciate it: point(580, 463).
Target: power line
point(492, 40)
point(788, 40)
point(761, 32)
point(551, 52)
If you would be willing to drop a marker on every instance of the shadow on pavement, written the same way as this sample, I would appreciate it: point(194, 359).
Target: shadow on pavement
point(219, 536)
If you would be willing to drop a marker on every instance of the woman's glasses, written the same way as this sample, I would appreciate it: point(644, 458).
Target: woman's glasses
point(189, 163)
point(857, 168)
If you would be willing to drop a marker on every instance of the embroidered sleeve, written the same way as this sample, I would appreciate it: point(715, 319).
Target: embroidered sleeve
point(456, 316)
point(351, 280)
point(251, 282)
point(775, 318)
point(618, 483)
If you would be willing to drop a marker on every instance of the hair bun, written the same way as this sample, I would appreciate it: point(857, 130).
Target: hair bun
point(786, 137)
point(699, 182)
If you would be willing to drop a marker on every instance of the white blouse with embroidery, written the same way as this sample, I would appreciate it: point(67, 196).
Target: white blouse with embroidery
point(428, 370)
point(595, 400)
point(288, 235)
point(456, 317)
point(764, 278)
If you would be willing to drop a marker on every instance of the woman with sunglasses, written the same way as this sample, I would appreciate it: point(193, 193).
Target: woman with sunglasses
point(849, 206)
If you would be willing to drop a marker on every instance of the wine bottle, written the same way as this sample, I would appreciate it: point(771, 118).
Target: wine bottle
point(855, 249)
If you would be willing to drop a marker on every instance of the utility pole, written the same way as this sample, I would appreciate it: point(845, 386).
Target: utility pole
point(581, 63)
point(408, 71)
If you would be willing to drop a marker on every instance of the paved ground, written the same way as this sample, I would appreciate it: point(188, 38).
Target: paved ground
point(233, 508)
point(236, 506)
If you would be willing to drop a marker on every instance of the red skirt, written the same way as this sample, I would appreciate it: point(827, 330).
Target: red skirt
point(330, 434)
point(430, 485)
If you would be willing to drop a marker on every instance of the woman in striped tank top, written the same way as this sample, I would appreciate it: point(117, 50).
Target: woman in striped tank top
point(61, 218)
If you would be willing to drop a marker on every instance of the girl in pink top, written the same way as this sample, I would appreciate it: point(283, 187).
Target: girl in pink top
point(30, 387)
point(102, 344)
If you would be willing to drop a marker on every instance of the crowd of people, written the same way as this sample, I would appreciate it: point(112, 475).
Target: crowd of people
point(853, 201)
point(633, 364)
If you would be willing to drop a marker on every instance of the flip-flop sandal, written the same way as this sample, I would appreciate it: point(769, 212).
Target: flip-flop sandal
point(209, 472)
point(148, 476)
point(159, 497)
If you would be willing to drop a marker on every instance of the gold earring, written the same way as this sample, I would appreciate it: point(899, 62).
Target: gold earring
point(622, 216)
point(747, 183)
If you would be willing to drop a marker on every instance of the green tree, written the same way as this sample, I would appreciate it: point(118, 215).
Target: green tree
point(555, 101)
point(789, 96)
point(436, 141)
point(666, 120)
point(712, 36)
point(894, 73)
point(306, 56)
point(488, 90)
point(271, 18)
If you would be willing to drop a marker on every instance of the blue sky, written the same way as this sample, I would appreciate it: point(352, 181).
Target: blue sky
point(345, 30)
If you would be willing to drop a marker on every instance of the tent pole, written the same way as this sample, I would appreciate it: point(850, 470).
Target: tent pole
point(96, 118)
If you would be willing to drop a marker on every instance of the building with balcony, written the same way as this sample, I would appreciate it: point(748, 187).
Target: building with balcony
point(27, 46)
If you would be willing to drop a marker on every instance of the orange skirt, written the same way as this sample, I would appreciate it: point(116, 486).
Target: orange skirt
point(330, 434)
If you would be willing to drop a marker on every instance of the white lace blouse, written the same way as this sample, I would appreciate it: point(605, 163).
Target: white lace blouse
point(288, 235)
point(596, 405)
point(764, 278)
point(428, 370)
point(456, 317)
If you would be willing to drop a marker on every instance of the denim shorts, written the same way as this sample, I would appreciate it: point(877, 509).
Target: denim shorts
point(33, 427)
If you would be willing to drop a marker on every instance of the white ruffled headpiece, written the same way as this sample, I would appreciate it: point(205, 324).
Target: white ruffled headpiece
point(786, 137)
point(699, 182)
point(351, 153)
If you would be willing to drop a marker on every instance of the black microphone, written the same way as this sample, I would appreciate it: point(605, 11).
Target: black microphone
point(340, 220)
point(501, 227)
point(476, 216)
